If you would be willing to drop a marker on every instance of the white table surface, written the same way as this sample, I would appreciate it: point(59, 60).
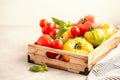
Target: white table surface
point(13, 56)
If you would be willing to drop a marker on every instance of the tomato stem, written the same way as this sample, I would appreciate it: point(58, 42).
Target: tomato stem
point(91, 29)
point(78, 45)
point(83, 20)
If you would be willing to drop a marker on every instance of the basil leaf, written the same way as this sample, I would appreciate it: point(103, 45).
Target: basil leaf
point(45, 67)
point(61, 23)
point(97, 69)
point(37, 68)
point(63, 40)
point(69, 24)
point(60, 33)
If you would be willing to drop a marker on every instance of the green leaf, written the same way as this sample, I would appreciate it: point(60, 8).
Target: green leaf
point(63, 40)
point(61, 23)
point(69, 24)
point(45, 67)
point(37, 68)
point(60, 33)
point(97, 69)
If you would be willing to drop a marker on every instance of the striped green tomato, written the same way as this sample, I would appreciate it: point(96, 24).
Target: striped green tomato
point(95, 37)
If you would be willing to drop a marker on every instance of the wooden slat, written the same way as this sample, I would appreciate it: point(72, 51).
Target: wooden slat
point(43, 49)
point(103, 49)
point(68, 66)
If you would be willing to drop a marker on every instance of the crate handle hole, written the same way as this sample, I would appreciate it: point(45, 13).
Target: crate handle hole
point(61, 57)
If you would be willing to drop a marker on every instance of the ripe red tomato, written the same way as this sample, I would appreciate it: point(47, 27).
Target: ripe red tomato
point(54, 32)
point(88, 24)
point(51, 55)
point(57, 43)
point(75, 31)
point(45, 40)
point(44, 31)
point(42, 23)
point(90, 18)
point(55, 26)
point(48, 28)
point(82, 29)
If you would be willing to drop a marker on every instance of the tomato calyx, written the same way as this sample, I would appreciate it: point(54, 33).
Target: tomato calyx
point(91, 28)
point(83, 20)
point(78, 45)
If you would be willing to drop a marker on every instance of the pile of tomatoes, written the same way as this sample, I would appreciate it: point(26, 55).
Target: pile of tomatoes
point(50, 30)
point(80, 37)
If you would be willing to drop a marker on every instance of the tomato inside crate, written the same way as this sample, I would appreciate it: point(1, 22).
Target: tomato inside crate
point(76, 63)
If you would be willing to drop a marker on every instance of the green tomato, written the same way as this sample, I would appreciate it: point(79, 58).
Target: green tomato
point(95, 37)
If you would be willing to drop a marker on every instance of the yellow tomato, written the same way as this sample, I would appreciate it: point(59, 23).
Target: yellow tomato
point(78, 45)
point(67, 34)
point(109, 30)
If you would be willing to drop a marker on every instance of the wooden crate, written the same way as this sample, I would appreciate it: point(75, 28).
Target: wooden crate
point(78, 63)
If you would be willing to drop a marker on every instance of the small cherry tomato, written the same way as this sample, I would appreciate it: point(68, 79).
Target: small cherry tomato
point(42, 23)
point(55, 26)
point(45, 40)
point(51, 55)
point(47, 29)
point(44, 31)
point(54, 32)
point(58, 44)
point(75, 31)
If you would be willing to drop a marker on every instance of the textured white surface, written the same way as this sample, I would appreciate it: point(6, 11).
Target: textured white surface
point(13, 56)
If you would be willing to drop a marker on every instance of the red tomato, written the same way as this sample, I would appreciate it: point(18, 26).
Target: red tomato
point(55, 26)
point(44, 31)
point(82, 29)
point(42, 23)
point(51, 55)
point(90, 18)
point(88, 24)
point(45, 40)
point(58, 44)
point(54, 32)
point(75, 31)
point(48, 28)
